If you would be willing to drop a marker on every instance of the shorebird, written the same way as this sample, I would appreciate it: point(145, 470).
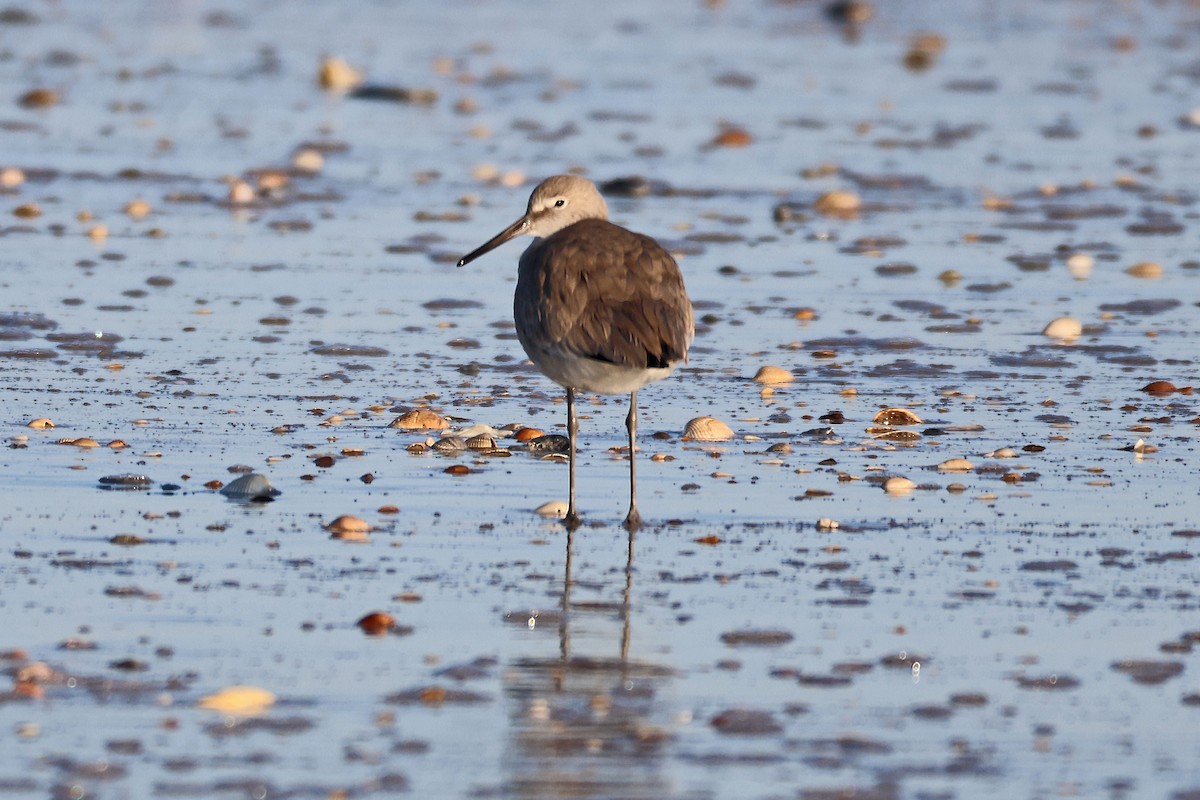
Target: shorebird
point(598, 308)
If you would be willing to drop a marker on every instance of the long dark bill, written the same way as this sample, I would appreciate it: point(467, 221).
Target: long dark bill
point(511, 232)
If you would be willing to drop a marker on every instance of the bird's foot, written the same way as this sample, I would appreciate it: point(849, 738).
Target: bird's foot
point(572, 520)
point(633, 520)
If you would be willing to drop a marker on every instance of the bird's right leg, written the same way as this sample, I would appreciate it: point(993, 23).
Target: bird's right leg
point(572, 520)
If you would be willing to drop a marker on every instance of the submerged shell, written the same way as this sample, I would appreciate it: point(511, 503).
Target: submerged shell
point(40, 424)
point(250, 486)
point(956, 465)
point(898, 485)
point(420, 419)
point(896, 416)
point(707, 429)
point(773, 376)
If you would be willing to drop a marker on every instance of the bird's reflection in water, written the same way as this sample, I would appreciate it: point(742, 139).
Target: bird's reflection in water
point(587, 724)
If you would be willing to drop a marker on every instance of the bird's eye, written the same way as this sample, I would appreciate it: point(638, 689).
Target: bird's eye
point(559, 203)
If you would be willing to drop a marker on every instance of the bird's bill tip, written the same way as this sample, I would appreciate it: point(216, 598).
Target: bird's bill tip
point(511, 232)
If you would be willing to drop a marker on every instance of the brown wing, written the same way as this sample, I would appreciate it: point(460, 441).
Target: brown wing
point(597, 290)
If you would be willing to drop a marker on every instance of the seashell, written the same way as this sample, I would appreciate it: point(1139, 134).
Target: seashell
point(337, 74)
point(137, 209)
point(481, 442)
point(780, 447)
point(838, 203)
point(773, 376)
point(827, 524)
point(1003, 452)
point(1145, 269)
point(420, 419)
point(240, 193)
point(84, 441)
point(893, 434)
point(308, 160)
point(1158, 387)
point(450, 444)
point(707, 429)
point(252, 486)
point(377, 623)
point(896, 416)
point(1063, 328)
point(898, 485)
point(956, 465)
point(39, 424)
point(555, 509)
point(27, 211)
point(550, 443)
point(11, 177)
point(348, 524)
point(248, 700)
point(527, 434)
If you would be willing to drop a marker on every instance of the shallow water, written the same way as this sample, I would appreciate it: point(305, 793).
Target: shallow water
point(732, 648)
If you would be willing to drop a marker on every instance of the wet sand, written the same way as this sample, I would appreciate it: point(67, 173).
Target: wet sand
point(892, 212)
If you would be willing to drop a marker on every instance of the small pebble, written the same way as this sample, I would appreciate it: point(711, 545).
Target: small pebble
point(337, 74)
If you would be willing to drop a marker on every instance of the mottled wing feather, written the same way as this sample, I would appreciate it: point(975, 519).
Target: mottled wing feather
point(597, 290)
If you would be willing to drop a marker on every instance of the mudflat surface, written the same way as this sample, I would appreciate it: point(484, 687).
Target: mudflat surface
point(212, 266)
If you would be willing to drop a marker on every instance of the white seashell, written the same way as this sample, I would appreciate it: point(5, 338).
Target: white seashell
point(555, 509)
point(898, 486)
point(40, 424)
point(773, 376)
point(827, 524)
point(482, 429)
point(707, 429)
point(1063, 328)
point(956, 465)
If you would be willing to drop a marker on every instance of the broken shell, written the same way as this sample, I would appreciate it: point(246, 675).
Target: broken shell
point(827, 524)
point(896, 416)
point(707, 429)
point(420, 419)
point(898, 485)
point(348, 524)
point(773, 376)
point(555, 509)
point(40, 424)
point(955, 465)
point(1063, 328)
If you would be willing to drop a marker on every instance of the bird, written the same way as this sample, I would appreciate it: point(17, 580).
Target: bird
point(598, 308)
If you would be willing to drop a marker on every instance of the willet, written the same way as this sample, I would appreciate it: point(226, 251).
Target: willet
point(598, 308)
